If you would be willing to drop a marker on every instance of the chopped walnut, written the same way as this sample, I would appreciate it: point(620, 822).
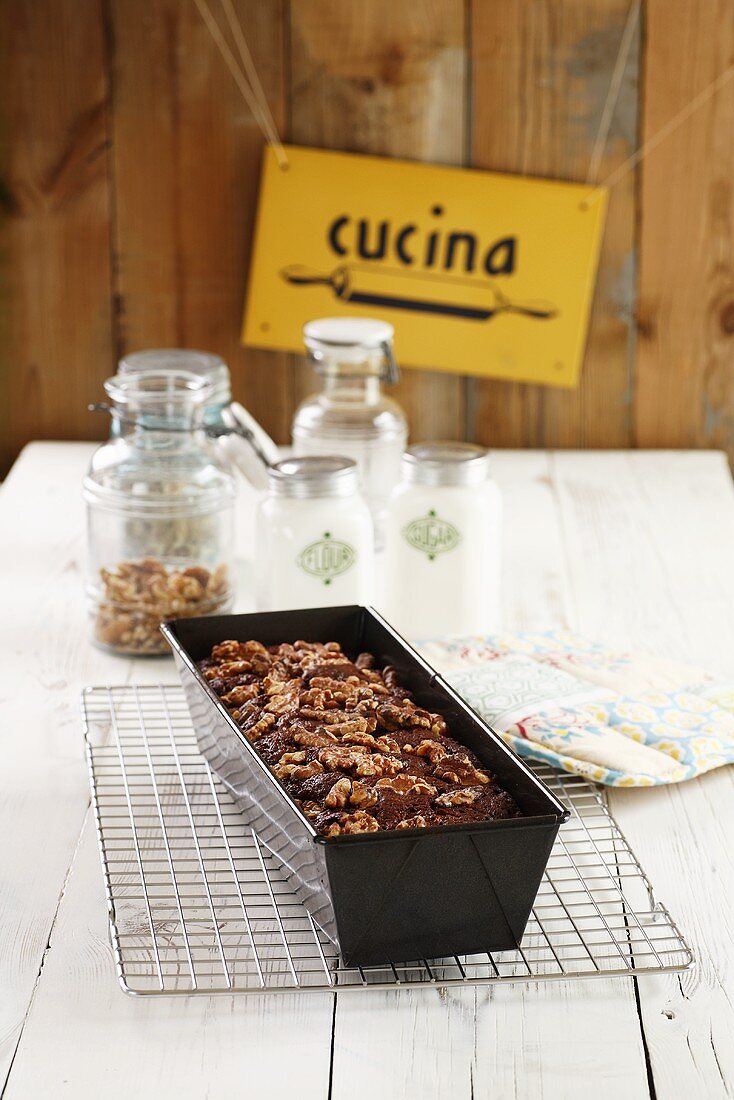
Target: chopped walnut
point(311, 809)
point(323, 683)
point(344, 693)
point(260, 727)
point(407, 784)
point(227, 651)
point(407, 716)
point(318, 700)
point(281, 704)
point(138, 595)
point(362, 795)
point(459, 769)
point(458, 798)
point(419, 718)
point(305, 771)
point(357, 737)
point(390, 676)
point(373, 675)
point(241, 694)
point(314, 739)
point(298, 771)
point(292, 758)
point(359, 822)
point(234, 668)
point(354, 724)
point(342, 757)
point(417, 822)
point(339, 793)
point(327, 717)
point(392, 717)
point(377, 764)
point(432, 750)
point(275, 686)
point(447, 774)
point(356, 758)
point(367, 706)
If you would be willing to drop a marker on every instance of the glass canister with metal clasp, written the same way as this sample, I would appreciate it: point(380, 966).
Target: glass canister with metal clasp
point(352, 416)
point(246, 442)
point(160, 503)
point(243, 441)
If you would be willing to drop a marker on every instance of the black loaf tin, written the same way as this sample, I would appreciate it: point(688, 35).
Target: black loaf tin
point(390, 896)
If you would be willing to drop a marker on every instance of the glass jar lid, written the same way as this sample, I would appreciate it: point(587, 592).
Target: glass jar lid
point(208, 366)
point(317, 476)
point(352, 342)
point(160, 463)
point(162, 400)
point(446, 463)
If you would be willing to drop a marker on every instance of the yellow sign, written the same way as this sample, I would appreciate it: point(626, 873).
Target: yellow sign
point(480, 273)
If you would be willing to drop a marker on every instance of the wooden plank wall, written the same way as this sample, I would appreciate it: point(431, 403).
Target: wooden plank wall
point(684, 394)
point(129, 168)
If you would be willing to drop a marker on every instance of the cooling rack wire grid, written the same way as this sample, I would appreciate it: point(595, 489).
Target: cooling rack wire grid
point(198, 903)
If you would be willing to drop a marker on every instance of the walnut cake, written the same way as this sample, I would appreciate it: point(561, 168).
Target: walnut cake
point(347, 742)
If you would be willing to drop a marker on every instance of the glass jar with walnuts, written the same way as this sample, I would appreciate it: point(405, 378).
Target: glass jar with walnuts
point(160, 503)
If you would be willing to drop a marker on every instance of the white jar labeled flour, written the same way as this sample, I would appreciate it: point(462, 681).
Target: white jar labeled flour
point(314, 536)
point(444, 528)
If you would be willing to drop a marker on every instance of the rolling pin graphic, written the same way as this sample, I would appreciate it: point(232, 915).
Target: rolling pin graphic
point(374, 287)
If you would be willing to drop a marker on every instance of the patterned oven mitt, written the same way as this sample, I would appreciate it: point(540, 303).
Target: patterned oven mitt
point(624, 719)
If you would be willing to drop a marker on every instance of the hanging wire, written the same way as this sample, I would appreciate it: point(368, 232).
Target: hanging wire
point(252, 91)
point(246, 77)
point(615, 86)
point(670, 127)
point(251, 72)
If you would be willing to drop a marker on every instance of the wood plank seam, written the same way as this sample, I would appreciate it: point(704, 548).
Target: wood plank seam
point(129, 669)
point(116, 298)
point(46, 951)
point(643, 1036)
point(332, 1047)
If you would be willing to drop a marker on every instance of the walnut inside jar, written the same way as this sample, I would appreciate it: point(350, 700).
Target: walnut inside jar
point(138, 595)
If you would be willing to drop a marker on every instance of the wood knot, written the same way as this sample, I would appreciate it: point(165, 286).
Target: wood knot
point(393, 62)
point(645, 325)
point(727, 319)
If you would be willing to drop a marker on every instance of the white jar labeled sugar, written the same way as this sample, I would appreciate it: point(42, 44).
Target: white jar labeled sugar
point(443, 544)
point(314, 536)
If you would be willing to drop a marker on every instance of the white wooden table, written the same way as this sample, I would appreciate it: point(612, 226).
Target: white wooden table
point(636, 548)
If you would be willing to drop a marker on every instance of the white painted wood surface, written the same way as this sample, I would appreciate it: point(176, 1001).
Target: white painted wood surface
point(634, 547)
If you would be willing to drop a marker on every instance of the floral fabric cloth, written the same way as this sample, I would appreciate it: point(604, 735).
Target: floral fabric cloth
point(624, 719)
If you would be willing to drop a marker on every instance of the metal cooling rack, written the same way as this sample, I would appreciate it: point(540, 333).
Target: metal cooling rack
point(198, 903)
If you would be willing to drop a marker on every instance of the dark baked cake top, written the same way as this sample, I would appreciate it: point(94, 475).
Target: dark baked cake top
point(347, 743)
